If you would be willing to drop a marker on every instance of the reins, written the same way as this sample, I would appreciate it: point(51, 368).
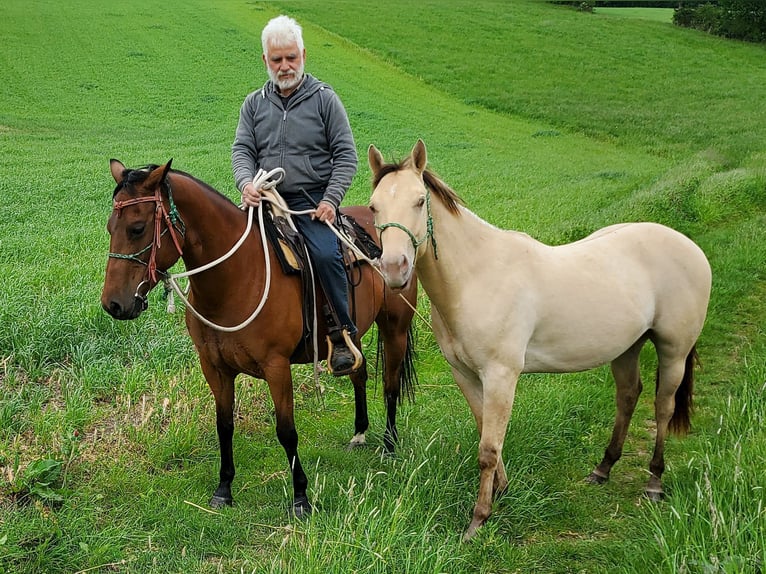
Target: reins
point(261, 180)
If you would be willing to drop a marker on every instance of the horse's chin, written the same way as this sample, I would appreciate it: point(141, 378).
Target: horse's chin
point(399, 283)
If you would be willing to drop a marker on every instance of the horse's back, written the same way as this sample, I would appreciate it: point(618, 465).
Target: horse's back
point(648, 248)
point(597, 296)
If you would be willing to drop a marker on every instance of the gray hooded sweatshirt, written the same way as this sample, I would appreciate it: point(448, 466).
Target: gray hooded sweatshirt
point(310, 138)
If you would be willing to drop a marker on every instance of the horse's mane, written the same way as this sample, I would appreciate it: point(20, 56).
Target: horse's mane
point(136, 176)
point(441, 190)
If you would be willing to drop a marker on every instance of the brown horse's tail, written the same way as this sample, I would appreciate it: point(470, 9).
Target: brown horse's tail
point(680, 422)
point(408, 376)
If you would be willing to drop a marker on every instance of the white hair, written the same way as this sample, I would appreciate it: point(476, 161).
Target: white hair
point(281, 32)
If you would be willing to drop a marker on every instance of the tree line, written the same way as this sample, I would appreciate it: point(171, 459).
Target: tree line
point(736, 19)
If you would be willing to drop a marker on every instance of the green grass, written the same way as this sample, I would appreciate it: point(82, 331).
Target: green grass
point(544, 119)
point(654, 14)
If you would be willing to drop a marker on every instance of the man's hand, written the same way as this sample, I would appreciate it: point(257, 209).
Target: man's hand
point(250, 195)
point(324, 212)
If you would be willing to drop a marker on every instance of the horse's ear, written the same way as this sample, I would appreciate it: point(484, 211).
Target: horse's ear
point(167, 169)
point(375, 159)
point(419, 156)
point(158, 175)
point(118, 169)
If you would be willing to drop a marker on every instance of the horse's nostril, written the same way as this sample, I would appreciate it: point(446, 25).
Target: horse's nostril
point(114, 309)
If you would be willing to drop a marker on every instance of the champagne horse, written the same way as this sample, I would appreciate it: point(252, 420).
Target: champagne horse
point(160, 215)
point(503, 304)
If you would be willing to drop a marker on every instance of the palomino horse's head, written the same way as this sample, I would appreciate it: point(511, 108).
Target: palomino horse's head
point(146, 235)
point(401, 201)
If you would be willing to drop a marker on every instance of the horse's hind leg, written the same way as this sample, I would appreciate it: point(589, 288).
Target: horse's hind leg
point(361, 418)
point(222, 387)
point(673, 401)
point(627, 378)
point(395, 353)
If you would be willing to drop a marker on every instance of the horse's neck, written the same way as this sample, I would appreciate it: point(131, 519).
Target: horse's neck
point(213, 226)
point(470, 253)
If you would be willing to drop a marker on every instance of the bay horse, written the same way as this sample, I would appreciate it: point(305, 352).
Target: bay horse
point(503, 304)
point(160, 215)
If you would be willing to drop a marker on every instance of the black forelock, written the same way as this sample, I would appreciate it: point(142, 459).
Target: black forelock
point(131, 177)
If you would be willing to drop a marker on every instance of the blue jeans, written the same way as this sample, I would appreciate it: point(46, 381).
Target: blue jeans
point(326, 258)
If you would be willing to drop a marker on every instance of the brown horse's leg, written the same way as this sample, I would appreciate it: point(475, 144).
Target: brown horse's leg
point(395, 349)
point(222, 386)
point(673, 372)
point(627, 378)
point(361, 418)
point(280, 383)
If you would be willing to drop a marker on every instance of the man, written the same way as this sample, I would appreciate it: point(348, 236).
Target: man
point(298, 123)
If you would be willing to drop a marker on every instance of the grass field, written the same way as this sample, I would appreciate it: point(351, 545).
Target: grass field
point(545, 119)
point(654, 14)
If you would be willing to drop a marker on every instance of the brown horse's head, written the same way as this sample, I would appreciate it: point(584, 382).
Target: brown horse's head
point(146, 235)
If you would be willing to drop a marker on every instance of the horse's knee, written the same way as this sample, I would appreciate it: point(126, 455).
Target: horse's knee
point(488, 457)
point(287, 436)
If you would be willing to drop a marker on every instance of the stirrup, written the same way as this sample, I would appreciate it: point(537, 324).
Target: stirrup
point(343, 339)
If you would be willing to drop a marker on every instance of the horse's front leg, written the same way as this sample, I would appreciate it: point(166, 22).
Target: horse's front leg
point(361, 418)
point(280, 383)
point(222, 386)
point(499, 388)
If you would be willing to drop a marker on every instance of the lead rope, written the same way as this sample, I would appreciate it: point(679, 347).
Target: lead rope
point(263, 180)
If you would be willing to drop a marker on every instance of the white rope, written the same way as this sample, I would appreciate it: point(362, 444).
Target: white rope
point(262, 180)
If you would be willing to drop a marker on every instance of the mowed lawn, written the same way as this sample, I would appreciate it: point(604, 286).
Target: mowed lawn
point(544, 119)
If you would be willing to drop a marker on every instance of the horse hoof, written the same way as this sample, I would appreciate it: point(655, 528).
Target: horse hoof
point(357, 441)
point(594, 478)
point(220, 501)
point(301, 508)
point(655, 495)
point(471, 532)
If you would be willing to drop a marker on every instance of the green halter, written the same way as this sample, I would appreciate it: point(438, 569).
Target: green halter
point(414, 240)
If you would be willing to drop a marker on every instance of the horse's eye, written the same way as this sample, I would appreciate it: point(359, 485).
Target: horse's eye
point(372, 208)
point(421, 201)
point(137, 230)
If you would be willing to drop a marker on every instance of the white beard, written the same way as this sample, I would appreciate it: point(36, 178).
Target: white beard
point(287, 81)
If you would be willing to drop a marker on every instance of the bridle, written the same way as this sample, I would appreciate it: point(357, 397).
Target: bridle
point(414, 240)
point(173, 225)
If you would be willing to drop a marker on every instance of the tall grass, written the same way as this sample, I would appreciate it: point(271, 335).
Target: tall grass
point(544, 119)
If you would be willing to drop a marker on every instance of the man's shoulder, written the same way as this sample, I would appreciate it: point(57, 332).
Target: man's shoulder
point(316, 85)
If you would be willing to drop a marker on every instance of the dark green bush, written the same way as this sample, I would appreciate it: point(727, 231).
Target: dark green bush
point(744, 19)
point(737, 19)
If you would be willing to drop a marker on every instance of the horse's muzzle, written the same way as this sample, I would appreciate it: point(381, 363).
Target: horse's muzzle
point(139, 304)
point(396, 271)
point(126, 312)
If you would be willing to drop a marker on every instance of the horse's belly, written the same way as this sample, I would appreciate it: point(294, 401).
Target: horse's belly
point(562, 352)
